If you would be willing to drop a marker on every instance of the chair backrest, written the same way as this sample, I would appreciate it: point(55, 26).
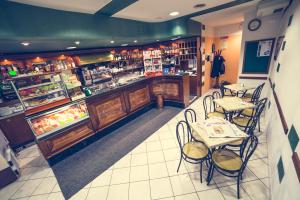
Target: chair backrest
point(256, 94)
point(222, 89)
point(208, 105)
point(216, 95)
point(260, 106)
point(190, 115)
point(249, 147)
point(183, 133)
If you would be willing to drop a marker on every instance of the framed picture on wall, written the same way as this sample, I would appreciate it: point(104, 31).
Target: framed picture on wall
point(278, 46)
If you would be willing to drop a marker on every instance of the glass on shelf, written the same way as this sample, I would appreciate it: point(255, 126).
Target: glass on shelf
point(40, 90)
point(53, 121)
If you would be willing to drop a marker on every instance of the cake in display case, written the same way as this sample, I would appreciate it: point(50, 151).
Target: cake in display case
point(54, 121)
point(38, 90)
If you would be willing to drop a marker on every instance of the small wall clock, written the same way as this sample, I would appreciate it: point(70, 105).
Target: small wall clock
point(254, 24)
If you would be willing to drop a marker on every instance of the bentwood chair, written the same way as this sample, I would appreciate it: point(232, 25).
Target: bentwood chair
point(191, 117)
point(254, 97)
point(210, 108)
point(243, 121)
point(249, 131)
point(226, 92)
point(217, 95)
point(251, 112)
point(229, 163)
point(191, 151)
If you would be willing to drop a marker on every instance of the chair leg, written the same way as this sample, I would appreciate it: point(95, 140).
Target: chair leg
point(179, 163)
point(238, 187)
point(259, 124)
point(211, 173)
point(201, 172)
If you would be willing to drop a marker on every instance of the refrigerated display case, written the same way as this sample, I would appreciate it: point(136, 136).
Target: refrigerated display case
point(52, 122)
point(39, 90)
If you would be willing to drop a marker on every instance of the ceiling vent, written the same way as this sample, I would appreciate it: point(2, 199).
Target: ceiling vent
point(268, 7)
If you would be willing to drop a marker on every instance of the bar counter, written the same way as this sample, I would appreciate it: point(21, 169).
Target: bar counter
point(108, 107)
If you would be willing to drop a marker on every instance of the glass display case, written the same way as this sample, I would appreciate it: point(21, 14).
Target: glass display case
point(51, 122)
point(38, 90)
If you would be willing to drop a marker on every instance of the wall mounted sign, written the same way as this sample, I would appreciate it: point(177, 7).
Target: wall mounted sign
point(264, 48)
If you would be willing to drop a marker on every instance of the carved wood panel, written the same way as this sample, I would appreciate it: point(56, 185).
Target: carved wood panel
point(169, 90)
point(109, 111)
point(138, 98)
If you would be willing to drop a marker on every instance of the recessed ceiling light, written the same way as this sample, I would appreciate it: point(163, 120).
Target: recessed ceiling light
point(200, 5)
point(77, 42)
point(71, 47)
point(124, 45)
point(174, 13)
point(135, 41)
point(25, 43)
point(112, 42)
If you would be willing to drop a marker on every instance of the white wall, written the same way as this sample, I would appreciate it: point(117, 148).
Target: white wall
point(287, 84)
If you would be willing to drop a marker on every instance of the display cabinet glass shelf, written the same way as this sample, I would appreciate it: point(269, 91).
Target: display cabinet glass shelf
point(36, 91)
point(52, 122)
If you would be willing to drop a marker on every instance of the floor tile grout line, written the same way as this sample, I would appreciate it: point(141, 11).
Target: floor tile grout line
point(129, 177)
point(148, 172)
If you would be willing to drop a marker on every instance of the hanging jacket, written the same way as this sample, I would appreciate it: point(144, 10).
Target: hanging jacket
point(218, 66)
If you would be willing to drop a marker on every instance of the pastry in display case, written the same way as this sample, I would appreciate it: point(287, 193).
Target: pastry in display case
point(40, 90)
point(52, 122)
point(73, 85)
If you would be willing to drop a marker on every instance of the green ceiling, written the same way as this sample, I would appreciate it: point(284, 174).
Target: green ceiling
point(51, 30)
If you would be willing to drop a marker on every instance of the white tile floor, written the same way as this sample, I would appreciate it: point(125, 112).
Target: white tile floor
point(146, 173)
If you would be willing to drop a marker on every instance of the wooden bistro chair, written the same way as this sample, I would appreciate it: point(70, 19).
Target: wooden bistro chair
point(191, 151)
point(243, 121)
point(210, 108)
point(230, 164)
point(217, 95)
point(255, 96)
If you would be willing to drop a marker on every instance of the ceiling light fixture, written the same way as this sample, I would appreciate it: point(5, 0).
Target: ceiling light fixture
point(124, 45)
point(77, 42)
point(200, 5)
point(71, 47)
point(174, 13)
point(25, 43)
point(135, 41)
point(112, 42)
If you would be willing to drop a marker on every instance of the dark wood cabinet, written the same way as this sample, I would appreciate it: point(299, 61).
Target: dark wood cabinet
point(16, 130)
point(66, 138)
